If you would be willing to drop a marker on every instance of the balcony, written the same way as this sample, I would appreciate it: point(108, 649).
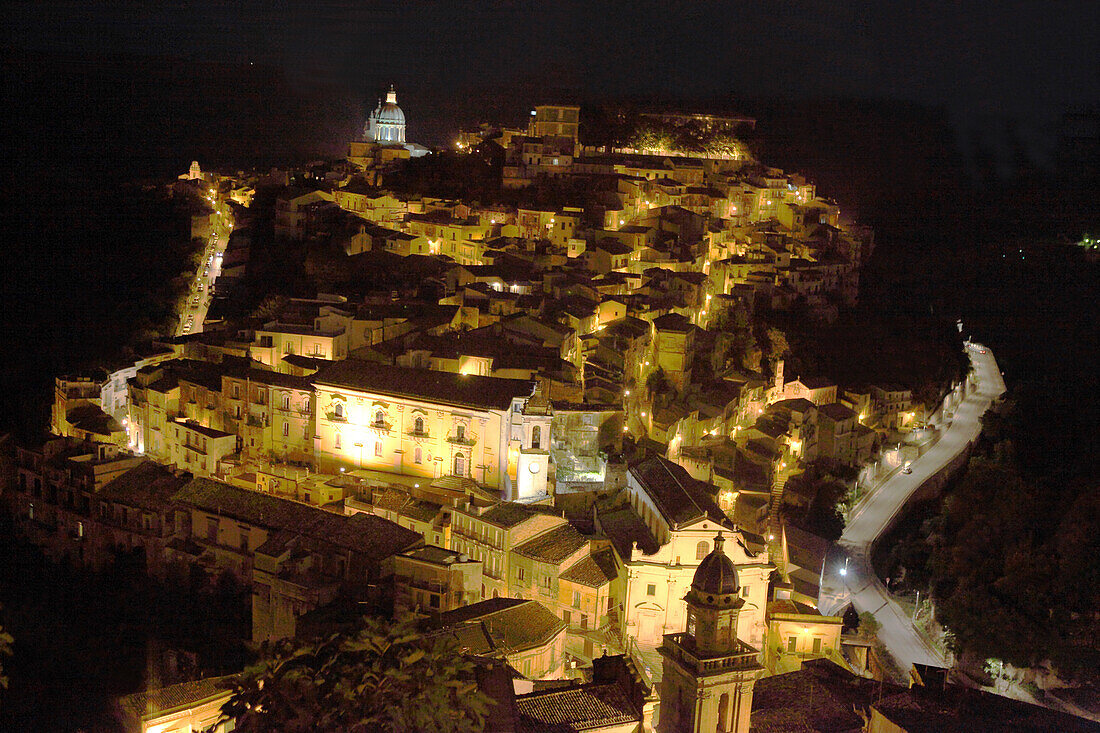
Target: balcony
point(681, 647)
point(467, 440)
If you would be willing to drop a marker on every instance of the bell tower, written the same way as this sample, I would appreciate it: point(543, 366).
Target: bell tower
point(708, 672)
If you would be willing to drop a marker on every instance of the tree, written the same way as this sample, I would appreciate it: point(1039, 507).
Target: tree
point(385, 676)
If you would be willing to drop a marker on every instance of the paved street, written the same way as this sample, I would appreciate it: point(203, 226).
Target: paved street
point(202, 287)
point(871, 517)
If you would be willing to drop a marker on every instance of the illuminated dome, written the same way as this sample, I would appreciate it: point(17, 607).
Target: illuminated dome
point(716, 575)
point(386, 123)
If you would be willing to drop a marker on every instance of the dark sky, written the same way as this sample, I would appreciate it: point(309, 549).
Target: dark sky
point(1027, 60)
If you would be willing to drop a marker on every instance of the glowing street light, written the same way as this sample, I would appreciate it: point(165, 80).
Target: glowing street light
point(844, 570)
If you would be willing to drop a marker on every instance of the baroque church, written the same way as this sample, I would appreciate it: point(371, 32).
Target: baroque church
point(383, 138)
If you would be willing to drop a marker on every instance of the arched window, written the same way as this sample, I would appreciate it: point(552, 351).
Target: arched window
point(338, 409)
point(380, 417)
point(701, 550)
point(723, 713)
point(460, 465)
point(418, 427)
point(418, 455)
point(536, 437)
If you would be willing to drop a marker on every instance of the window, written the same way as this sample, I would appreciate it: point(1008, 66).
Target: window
point(418, 427)
point(566, 617)
point(536, 437)
point(418, 455)
point(433, 600)
point(519, 573)
point(338, 410)
point(701, 550)
point(380, 417)
point(576, 599)
point(337, 442)
point(651, 590)
point(212, 529)
point(460, 465)
point(237, 412)
point(378, 448)
point(460, 432)
point(244, 539)
point(817, 645)
point(584, 620)
point(286, 402)
point(236, 391)
point(792, 643)
point(286, 430)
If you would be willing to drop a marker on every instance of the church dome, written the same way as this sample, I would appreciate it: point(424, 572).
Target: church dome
point(716, 574)
point(389, 113)
point(386, 123)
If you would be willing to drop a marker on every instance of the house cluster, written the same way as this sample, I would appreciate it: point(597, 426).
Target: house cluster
point(458, 447)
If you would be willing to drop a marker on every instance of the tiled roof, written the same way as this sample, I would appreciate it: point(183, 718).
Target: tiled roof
point(513, 624)
point(594, 571)
point(424, 384)
point(623, 527)
point(147, 485)
point(553, 546)
point(508, 514)
point(672, 322)
point(581, 708)
point(372, 536)
point(678, 496)
point(817, 383)
point(152, 703)
point(820, 696)
point(836, 411)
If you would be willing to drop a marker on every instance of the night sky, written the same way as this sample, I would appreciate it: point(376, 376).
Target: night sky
point(1027, 61)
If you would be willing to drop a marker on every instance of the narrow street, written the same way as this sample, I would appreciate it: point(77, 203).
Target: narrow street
point(874, 514)
point(202, 286)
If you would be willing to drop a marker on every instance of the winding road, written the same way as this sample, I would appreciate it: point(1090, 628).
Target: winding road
point(874, 514)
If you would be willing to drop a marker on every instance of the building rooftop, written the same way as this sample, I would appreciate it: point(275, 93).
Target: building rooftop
point(148, 485)
point(552, 546)
point(372, 536)
point(594, 571)
point(424, 384)
point(154, 703)
point(679, 497)
point(578, 708)
point(513, 624)
point(508, 514)
point(836, 411)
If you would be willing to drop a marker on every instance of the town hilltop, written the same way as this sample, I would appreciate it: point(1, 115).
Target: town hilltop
point(531, 390)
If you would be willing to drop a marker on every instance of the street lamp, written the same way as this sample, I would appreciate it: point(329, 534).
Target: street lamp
point(844, 570)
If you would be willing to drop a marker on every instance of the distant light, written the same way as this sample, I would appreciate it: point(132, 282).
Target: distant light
point(533, 113)
point(843, 571)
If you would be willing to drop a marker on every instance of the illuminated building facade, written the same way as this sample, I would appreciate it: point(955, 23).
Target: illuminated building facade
point(426, 423)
